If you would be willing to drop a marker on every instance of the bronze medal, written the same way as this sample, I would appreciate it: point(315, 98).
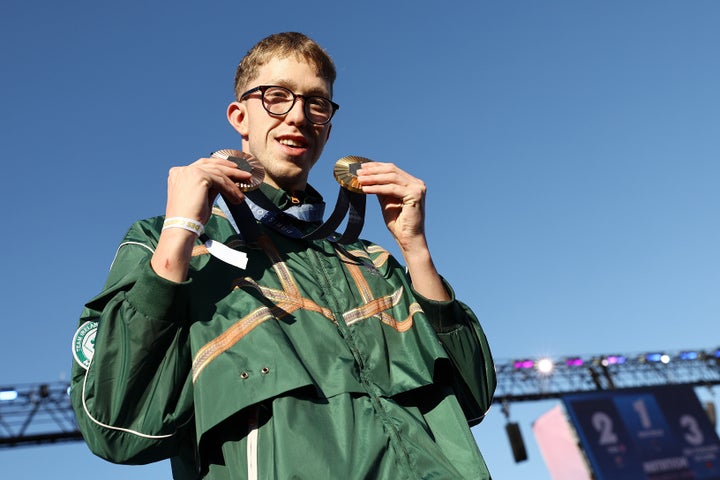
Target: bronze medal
point(245, 162)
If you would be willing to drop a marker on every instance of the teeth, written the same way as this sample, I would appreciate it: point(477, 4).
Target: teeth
point(290, 143)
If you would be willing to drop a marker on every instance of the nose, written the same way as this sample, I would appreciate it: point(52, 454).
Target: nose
point(296, 115)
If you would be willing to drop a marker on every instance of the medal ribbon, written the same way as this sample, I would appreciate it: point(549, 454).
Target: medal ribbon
point(291, 222)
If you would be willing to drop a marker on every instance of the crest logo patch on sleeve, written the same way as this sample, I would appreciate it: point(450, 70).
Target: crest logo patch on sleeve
point(84, 343)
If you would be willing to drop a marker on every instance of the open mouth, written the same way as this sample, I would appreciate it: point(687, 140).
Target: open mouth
point(293, 143)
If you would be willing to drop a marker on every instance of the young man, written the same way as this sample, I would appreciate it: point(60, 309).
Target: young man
point(317, 361)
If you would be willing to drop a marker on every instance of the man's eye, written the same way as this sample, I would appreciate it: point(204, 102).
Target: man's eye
point(277, 95)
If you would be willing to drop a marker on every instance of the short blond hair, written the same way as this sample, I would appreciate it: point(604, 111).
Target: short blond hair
point(282, 45)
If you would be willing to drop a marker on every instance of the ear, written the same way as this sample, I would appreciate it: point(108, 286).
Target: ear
point(237, 116)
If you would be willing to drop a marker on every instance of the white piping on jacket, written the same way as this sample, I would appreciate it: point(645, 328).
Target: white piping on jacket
point(84, 403)
point(128, 243)
point(252, 445)
point(120, 429)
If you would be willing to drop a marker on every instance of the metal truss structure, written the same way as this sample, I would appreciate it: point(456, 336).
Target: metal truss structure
point(37, 414)
point(545, 378)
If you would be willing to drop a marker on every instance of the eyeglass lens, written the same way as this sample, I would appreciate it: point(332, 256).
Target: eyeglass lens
point(280, 100)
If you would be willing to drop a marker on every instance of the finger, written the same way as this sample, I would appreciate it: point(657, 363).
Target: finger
point(192, 189)
point(220, 166)
point(371, 167)
point(406, 191)
point(384, 173)
point(224, 177)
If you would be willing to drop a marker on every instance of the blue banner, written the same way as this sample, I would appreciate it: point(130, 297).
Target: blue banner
point(659, 433)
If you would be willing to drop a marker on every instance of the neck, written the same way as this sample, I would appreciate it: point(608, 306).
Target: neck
point(291, 188)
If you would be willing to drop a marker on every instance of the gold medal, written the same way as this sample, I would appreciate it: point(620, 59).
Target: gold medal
point(345, 172)
point(246, 163)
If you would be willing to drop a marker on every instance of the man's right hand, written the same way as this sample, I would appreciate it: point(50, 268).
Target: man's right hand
point(192, 189)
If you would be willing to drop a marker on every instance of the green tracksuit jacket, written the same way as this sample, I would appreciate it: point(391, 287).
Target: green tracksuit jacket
point(316, 362)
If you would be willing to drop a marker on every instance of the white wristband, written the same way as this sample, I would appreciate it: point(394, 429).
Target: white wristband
point(184, 223)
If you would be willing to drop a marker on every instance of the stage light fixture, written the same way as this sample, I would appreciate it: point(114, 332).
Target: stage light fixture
point(689, 355)
point(544, 366)
point(657, 357)
point(523, 364)
point(8, 395)
point(574, 362)
point(613, 360)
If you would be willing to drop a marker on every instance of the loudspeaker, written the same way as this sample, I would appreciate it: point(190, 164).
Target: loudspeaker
point(516, 442)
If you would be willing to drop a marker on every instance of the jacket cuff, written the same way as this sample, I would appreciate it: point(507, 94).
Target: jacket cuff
point(155, 296)
point(444, 316)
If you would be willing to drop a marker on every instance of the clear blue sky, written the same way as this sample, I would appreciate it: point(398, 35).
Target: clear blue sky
point(570, 149)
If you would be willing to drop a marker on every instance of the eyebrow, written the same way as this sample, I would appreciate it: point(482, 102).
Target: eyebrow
point(319, 92)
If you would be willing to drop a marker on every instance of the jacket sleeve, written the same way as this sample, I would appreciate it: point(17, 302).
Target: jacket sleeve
point(133, 397)
point(472, 373)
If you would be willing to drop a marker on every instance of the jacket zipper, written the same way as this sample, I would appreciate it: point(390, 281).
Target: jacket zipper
point(346, 332)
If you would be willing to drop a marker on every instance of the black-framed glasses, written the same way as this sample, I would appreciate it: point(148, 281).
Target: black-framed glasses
point(279, 101)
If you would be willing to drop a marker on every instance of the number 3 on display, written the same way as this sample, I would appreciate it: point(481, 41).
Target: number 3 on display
point(693, 435)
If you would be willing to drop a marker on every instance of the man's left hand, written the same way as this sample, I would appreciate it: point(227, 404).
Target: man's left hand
point(402, 200)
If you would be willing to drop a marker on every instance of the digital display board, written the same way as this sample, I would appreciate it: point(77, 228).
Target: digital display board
point(659, 433)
